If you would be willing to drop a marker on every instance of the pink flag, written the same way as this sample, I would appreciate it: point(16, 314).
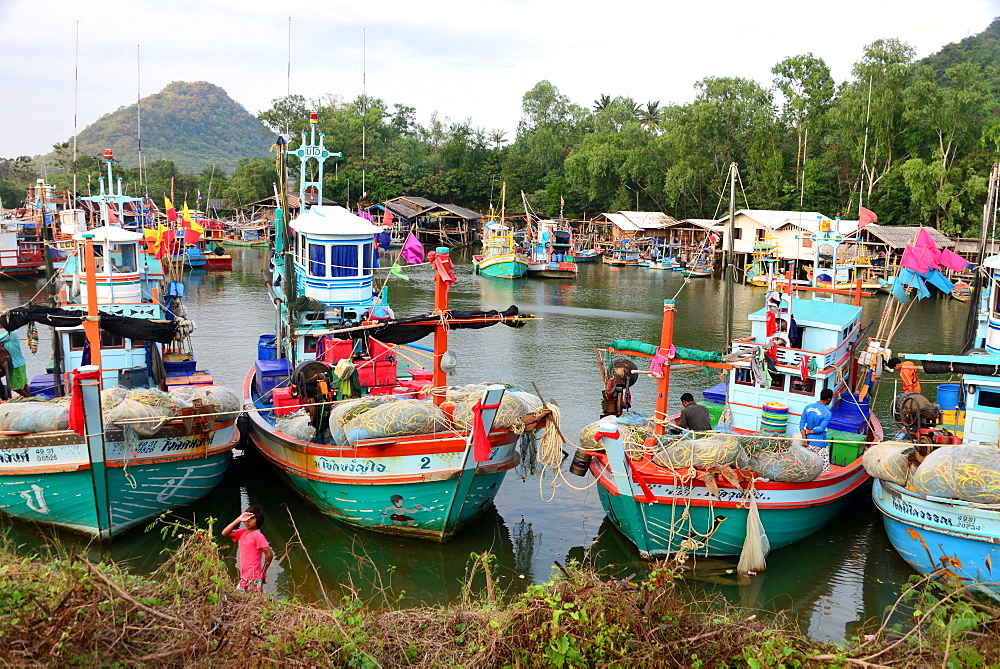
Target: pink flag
point(926, 249)
point(412, 251)
point(911, 260)
point(953, 261)
point(387, 218)
point(112, 217)
point(866, 216)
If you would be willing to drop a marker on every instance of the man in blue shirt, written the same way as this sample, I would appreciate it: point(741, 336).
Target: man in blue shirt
point(816, 418)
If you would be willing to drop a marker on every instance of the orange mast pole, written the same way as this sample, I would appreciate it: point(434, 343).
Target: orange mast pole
point(663, 383)
point(92, 326)
point(440, 378)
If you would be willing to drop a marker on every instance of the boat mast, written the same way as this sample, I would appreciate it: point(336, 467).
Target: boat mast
point(729, 271)
point(91, 326)
point(442, 259)
point(57, 358)
point(663, 383)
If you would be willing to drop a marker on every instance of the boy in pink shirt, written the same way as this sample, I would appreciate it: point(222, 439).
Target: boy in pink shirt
point(253, 547)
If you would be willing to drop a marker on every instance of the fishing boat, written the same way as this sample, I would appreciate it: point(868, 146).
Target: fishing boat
point(962, 291)
point(703, 263)
point(547, 252)
point(405, 461)
point(583, 255)
point(104, 474)
point(502, 257)
point(249, 234)
point(955, 536)
point(712, 510)
point(622, 255)
point(763, 264)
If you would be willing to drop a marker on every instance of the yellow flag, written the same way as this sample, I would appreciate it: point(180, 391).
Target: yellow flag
point(153, 239)
point(187, 213)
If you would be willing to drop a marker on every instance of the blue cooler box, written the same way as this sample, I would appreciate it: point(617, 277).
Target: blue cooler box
point(43, 385)
point(271, 374)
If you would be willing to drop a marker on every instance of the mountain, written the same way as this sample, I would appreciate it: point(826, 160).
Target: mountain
point(194, 124)
point(981, 49)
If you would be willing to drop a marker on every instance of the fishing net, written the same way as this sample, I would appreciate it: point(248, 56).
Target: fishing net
point(34, 416)
point(296, 426)
point(756, 545)
point(634, 427)
point(512, 407)
point(889, 461)
point(344, 412)
point(145, 419)
point(969, 472)
point(700, 453)
point(110, 397)
point(154, 397)
point(793, 463)
point(229, 403)
point(397, 419)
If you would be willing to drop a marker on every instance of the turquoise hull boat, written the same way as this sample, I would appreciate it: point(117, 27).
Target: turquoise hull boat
point(957, 539)
point(426, 486)
point(664, 511)
point(100, 487)
point(508, 266)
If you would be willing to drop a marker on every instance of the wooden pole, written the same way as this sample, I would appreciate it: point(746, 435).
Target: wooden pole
point(440, 378)
point(92, 325)
point(663, 384)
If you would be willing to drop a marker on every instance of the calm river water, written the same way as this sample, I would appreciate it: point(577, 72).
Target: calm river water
point(845, 574)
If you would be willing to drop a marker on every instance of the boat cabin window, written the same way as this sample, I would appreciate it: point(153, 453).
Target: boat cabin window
point(744, 377)
point(77, 340)
point(777, 382)
point(995, 299)
point(800, 387)
point(309, 342)
point(111, 340)
point(123, 258)
point(317, 260)
point(344, 260)
point(98, 257)
point(367, 254)
point(988, 398)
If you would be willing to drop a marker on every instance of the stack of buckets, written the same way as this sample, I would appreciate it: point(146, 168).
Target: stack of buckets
point(775, 418)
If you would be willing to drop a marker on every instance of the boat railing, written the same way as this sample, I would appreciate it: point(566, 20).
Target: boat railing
point(788, 356)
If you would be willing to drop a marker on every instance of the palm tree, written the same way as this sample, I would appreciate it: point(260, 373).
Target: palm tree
point(601, 103)
point(498, 137)
point(651, 116)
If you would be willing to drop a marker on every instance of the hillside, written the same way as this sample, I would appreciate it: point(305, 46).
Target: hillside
point(981, 49)
point(193, 124)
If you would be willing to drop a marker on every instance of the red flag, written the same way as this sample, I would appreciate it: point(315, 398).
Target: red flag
point(866, 216)
point(387, 219)
point(167, 241)
point(171, 212)
point(191, 237)
point(112, 217)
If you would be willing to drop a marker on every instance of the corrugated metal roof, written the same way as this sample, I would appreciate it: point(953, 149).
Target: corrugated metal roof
point(461, 211)
point(622, 223)
point(707, 223)
point(648, 220)
point(898, 236)
point(774, 219)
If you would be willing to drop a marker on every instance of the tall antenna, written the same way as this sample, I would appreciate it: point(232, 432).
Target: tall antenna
point(138, 108)
point(364, 108)
point(864, 151)
point(288, 87)
point(76, 86)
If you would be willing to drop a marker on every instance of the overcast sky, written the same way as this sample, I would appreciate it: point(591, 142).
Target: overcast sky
point(462, 59)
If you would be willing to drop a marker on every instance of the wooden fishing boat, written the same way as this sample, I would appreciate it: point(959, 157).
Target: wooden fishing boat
point(622, 256)
point(252, 234)
point(427, 484)
point(698, 270)
point(583, 255)
point(764, 263)
point(547, 251)
point(962, 292)
point(664, 510)
point(501, 257)
point(103, 479)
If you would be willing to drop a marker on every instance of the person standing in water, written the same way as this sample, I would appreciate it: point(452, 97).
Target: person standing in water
point(254, 549)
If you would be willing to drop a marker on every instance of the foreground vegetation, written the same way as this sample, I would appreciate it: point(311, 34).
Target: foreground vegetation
point(68, 610)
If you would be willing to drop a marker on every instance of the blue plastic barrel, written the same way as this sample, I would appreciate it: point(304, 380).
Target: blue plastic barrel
point(851, 402)
point(267, 347)
point(947, 396)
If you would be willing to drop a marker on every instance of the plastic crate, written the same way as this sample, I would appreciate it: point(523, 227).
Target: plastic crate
point(845, 452)
point(284, 403)
point(182, 368)
point(271, 374)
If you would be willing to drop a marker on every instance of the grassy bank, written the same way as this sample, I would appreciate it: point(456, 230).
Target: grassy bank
point(58, 610)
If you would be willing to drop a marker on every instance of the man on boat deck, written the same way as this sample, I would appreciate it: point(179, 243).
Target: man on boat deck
point(18, 381)
point(816, 418)
point(907, 374)
point(693, 416)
